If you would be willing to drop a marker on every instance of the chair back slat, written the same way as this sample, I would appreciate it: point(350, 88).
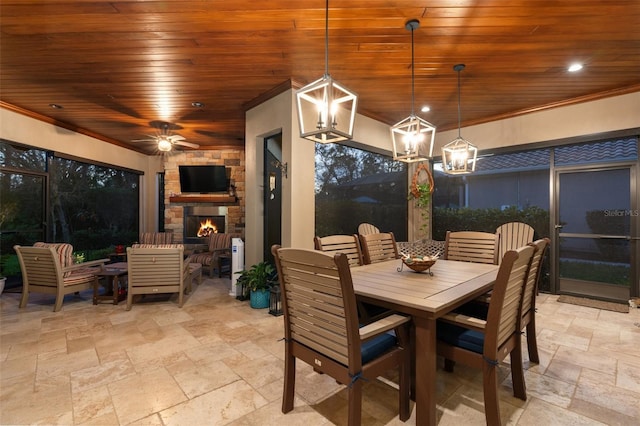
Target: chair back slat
point(503, 319)
point(316, 309)
point(347, 244)
point(367, 228)
point(513, 235)
point(531, 287)
point(471, 246)
point(378, 247)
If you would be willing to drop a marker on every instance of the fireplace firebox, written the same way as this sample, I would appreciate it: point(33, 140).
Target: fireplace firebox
point(201, 221)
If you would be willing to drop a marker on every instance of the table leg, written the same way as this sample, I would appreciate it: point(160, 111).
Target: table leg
point(115, 286)
point(96, 284)
point(425, 378)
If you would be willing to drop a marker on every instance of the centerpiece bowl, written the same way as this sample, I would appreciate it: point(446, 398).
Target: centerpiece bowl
point(419, 263)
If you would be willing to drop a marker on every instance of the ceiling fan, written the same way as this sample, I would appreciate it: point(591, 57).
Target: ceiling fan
point(165, 139)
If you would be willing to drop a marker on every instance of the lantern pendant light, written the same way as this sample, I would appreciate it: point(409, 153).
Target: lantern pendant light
point(326, 108)
point(412, 137)
point(459, 155)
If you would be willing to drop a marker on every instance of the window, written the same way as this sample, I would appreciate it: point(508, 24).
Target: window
point(355, 186)
point(44, 197)
point(504, 188)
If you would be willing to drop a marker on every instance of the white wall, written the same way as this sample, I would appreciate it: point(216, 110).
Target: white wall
point(589, 118)
point(29, 131)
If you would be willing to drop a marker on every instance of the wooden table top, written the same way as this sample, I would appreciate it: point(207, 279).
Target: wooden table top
point(452, 284)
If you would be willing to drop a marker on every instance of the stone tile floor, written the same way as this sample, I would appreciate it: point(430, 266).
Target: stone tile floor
point(216, 361)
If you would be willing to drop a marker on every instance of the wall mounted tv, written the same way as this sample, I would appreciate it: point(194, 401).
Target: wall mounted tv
point(203, 179)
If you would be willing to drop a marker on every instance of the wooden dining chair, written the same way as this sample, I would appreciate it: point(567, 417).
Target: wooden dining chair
point(529, 298)
point(350, 246)
point(378, 247)
point(512, 236)
point(472, 246)
point(483, 344)
point(479, 307)
point(347, 244)
point(322, 329)
point(367, 228)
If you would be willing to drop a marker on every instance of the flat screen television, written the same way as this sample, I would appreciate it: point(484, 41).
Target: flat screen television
point(203, 179)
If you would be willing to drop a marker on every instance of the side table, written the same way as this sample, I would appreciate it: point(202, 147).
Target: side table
point(118, 257)
point(113, 275)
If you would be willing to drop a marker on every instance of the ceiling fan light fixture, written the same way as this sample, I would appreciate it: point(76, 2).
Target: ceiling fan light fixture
point(164, 144)
point(459, 156)
point(413, 137)
point(326, 108)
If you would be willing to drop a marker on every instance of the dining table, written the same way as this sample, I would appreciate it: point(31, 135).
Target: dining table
point(425, 297)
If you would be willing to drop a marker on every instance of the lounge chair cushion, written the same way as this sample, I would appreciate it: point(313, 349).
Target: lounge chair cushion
point(64, 251)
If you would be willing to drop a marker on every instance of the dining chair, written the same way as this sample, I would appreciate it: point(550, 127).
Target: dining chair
point(471, 246)
point(423, 247)
point(479, 307)
point(347, 244)
point(378, 247)
point(512, 236)
point(321, 328)
point(483, 344)
point(367, 228)
point(50, 268)
point(350, 246)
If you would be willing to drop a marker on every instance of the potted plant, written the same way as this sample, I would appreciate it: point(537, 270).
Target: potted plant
point(259, 279)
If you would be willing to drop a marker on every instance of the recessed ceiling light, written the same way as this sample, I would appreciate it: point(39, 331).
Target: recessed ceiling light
point(197, 104)
point(574, 67)
point(56, 106)
point(425, 108)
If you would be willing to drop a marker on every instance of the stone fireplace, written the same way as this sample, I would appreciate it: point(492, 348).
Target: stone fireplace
point(183, 212)
point(200, 221)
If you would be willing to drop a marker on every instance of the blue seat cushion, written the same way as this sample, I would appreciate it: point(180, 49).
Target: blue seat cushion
point(461, 337)
point(373, 348)
point(474, 309)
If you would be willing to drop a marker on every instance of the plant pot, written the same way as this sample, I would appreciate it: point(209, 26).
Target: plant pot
point(259, 299)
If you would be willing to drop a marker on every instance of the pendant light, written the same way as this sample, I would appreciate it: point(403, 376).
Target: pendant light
point(412, 137)
point(459, 155)
point(326, 109)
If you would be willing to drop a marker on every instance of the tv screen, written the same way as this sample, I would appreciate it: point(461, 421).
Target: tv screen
point(203, 179)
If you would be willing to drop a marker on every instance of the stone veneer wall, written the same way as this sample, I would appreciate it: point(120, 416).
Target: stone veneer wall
point(173, 213)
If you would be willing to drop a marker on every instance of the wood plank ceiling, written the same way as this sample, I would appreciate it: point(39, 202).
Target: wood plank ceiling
point(119, 67)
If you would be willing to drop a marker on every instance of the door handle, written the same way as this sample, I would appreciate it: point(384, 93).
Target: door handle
point(559, 226)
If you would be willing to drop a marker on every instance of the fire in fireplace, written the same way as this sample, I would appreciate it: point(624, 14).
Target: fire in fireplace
point(207, 228)
point(202, 221)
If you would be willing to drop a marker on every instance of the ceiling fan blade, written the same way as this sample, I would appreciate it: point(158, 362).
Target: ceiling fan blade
point(175, 138)
point(189, 144)
point(144, 140)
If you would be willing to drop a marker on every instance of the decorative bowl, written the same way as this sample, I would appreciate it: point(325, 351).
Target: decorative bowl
point(419, 264)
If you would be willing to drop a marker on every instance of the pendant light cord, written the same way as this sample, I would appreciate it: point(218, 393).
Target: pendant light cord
point(459, 110)
point(412, 77)
point(326, 40)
